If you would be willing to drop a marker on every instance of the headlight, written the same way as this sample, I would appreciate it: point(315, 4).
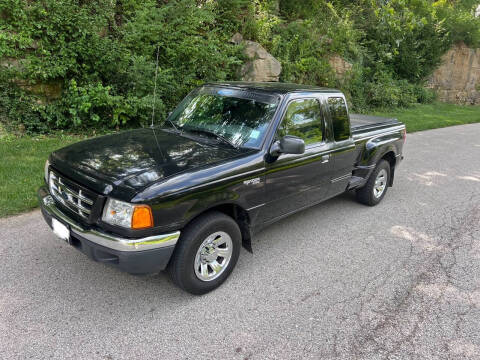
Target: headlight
point(47, 164)
point(127, 215)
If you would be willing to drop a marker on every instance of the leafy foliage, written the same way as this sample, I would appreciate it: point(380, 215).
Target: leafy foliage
point(406, 37)
point(17, 109)
point(101, 54)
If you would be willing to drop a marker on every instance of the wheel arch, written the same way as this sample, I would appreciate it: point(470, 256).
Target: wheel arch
point(237, 213)
point(390, 157)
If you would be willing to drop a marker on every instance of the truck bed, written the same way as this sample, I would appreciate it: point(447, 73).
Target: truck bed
point(365, 123)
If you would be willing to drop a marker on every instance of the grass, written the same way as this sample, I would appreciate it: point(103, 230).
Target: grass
point(21, 170)
point(432, 116)
point(22, 159)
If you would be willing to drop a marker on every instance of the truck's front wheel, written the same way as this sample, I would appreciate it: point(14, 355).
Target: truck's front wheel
point(376, 187)
point(206, 253)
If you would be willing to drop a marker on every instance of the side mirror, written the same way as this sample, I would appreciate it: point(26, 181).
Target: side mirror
point(288, 145)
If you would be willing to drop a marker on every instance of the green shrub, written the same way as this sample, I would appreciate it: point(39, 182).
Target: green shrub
point(461, 26)
point(93, 105)
point(303, 57)
point(18, 112)
point(380, 90)
point(192, 49)
point(304, 46)
point(102, 53)
point(105, 53)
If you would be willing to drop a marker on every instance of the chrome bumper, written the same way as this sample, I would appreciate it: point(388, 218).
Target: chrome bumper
point(107, 240)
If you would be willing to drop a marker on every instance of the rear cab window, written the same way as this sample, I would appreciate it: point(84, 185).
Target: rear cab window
point(339, 116)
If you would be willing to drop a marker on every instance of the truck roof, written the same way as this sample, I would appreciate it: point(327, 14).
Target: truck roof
point(273, 87)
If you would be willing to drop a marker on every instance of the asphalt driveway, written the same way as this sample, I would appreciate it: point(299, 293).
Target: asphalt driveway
point(340, 280)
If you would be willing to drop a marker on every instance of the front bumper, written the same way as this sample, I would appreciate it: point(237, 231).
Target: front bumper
point(136, 256)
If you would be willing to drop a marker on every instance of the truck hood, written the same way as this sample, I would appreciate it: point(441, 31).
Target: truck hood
point(122, 164)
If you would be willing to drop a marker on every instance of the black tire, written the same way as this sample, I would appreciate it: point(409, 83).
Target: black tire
point(181, 266)
point(366, 195)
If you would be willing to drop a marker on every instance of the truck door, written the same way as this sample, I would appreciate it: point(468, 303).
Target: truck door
point(344, 153)
point(294, 181)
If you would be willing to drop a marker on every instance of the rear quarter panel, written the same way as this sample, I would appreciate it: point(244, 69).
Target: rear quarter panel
point(372, 146)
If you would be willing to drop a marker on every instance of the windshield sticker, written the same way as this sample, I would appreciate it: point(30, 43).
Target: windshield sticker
point(254, 134)
point(225, 92)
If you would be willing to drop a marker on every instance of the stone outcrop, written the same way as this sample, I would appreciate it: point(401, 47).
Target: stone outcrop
point(237, 39)
point(457, 80)
point(260, 66)
point(45, 91)
point(340, 66)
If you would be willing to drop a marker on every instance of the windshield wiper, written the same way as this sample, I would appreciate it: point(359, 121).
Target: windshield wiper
point(173, 124)
point(211, 133)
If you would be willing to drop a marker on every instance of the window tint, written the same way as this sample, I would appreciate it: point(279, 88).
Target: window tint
point(303, 119)
point(341, 125)
point(239, 116)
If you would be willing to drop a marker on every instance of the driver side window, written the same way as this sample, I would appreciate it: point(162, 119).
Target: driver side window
point(303, 119)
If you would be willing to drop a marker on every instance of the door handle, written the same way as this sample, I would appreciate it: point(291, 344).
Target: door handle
point(325, 158)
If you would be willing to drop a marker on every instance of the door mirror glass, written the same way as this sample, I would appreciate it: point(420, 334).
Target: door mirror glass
point(288, 145)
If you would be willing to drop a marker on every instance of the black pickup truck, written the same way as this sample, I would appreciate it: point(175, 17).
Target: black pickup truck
point(229, 160)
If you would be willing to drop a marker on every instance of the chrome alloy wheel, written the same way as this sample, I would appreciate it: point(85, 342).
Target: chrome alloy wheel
point(380, 183)
point(213, 256)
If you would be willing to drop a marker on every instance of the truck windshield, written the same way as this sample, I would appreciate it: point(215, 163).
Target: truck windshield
point(235, 116)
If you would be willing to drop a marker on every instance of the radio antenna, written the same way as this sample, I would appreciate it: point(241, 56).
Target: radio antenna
point(155, 88)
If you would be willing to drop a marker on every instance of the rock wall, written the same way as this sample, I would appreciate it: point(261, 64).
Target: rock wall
point(457, 80)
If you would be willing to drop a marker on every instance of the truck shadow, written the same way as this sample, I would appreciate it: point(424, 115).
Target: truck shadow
point(96, 282)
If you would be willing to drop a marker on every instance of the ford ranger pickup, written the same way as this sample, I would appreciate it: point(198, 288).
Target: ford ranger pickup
point(232, 158)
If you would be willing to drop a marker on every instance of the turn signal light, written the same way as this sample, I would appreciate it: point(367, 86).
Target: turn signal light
point(142, 217)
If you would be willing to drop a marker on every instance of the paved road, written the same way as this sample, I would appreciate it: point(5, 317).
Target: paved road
point(340, 280)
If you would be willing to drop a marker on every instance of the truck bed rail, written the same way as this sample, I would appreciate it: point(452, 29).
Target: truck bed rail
point(365, 123)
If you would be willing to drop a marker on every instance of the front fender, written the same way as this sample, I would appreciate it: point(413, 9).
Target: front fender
point(244, 190)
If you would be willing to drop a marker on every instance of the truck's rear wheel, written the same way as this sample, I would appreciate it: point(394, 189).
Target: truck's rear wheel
point(376, 187)
point(206, 253)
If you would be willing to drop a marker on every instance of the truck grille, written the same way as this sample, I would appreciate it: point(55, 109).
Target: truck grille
point(70, 195)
